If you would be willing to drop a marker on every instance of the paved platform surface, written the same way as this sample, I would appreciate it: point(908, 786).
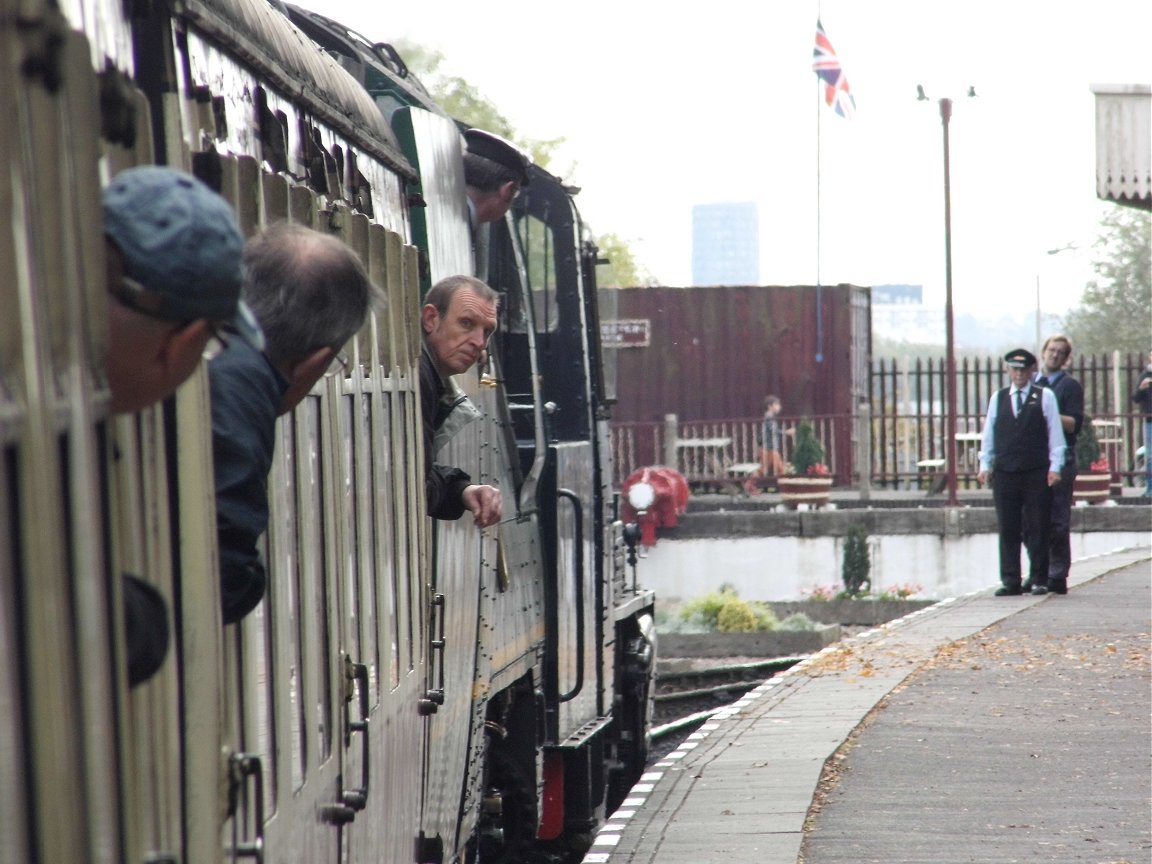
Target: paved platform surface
point(983, 729)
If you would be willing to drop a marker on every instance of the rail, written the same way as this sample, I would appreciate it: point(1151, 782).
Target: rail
point(899, 433)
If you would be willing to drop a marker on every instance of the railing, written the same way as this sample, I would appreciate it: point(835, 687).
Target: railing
point(905, 443)
point(719, 453)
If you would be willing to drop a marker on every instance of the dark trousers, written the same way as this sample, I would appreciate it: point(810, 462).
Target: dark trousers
point(1023, 508)
point(1059, 541)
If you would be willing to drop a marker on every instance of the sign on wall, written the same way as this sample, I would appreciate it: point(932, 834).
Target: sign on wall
point(625, 333)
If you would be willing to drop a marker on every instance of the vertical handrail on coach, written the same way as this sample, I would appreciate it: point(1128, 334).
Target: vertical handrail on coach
point(578, 574)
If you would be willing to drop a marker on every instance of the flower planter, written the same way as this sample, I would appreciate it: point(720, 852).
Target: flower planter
point(1091, 488)
point(813, 491)
point(767, 643)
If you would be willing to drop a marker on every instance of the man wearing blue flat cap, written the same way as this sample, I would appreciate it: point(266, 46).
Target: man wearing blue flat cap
point(173, 252)
point(1021, 455)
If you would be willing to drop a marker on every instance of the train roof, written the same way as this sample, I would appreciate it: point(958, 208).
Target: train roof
point(263, 37)
point(378, 66)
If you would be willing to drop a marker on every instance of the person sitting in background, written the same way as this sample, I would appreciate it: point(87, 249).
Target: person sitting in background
point(311, 294)
point(173, 271)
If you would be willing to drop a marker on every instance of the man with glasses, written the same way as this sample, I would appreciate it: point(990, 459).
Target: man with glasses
point(1054, 357)
point(173, 272)
point(311, 294)
point(458, 319)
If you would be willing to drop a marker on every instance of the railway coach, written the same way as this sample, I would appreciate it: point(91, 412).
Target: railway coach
point(405, 692)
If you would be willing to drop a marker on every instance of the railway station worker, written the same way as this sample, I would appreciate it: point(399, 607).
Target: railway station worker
point(173, 272)
point(311, 294)
point(458, 318)
point(1054, 358)
point(495, 170)
point(1022, 452)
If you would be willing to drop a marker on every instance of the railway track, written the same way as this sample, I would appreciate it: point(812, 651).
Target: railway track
point(685, 699)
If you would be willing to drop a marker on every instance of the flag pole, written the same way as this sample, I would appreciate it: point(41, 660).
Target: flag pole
point(819, 290)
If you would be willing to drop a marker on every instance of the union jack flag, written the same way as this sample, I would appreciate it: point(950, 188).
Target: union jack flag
point(826, 65)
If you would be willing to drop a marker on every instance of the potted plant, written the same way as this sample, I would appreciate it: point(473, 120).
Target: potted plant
point(808, 480)
point(1093, 475)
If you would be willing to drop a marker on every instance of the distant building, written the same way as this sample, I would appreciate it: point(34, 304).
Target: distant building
point(899, 314)
point(885, 294)
point(725, 244)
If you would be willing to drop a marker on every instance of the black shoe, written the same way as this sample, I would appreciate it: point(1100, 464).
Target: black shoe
point(1008, 591)
point(1058, 586)
point(1027, 586)
point(1039, 590)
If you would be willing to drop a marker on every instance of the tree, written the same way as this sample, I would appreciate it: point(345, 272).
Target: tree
point(857, 562)
point(808, 452)
point(1115, 311)
point(463, 102)
point(621, 271)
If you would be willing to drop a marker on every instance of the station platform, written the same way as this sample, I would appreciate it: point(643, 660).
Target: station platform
point(981, 729)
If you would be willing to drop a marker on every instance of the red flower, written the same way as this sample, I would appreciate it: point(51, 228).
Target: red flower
point(818, 470)
point(1100, 466)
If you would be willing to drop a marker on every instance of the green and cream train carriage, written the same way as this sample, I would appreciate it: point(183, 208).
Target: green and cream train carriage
point(397, 697)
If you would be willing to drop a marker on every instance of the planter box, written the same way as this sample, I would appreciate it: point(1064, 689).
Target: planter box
point(771, 643)
point(1091, 488)
point(813, 491)
point(867, 613)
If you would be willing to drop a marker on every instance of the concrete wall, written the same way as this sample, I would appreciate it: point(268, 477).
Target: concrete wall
point(788, 567)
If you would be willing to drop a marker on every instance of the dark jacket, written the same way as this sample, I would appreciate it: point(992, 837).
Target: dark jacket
point(1143, 398)
point(1070, 397)
point(443, 485)
point(246, 395)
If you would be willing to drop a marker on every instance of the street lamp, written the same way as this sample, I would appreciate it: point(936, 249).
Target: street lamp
point(949, 341)
point(1067, 247)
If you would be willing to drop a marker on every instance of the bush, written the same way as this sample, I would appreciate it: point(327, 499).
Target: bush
point(1087, 447)
point(797, 621)
point(725, 612)
point(808, 451)
point(857, 563)
point(736, 616)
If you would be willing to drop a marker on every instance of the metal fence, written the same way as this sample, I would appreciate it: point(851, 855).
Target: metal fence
point(900, 433)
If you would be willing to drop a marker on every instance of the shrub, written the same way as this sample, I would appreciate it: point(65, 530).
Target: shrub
point(797, 621)
point(736, 616)
point(857, 563)
point(725, 612)
point(1087, 447)
point(704, 611)
point(808, 452)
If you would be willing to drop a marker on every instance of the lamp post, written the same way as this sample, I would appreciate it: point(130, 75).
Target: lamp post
point(949, 342)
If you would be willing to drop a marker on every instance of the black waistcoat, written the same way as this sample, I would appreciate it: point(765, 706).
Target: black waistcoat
point(1021, 441)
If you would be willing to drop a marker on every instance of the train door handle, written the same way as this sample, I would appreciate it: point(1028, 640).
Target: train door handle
point(578, 567)
point(357, 673)
point(242, 768)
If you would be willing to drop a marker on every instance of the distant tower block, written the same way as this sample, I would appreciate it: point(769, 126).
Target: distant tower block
point(726, 244)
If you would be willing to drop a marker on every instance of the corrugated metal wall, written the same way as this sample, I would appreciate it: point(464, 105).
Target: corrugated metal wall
point(714, 353)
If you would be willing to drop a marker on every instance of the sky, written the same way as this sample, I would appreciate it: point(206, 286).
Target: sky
point(662, 109)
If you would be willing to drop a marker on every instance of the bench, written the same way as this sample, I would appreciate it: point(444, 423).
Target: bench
point(931, 475)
